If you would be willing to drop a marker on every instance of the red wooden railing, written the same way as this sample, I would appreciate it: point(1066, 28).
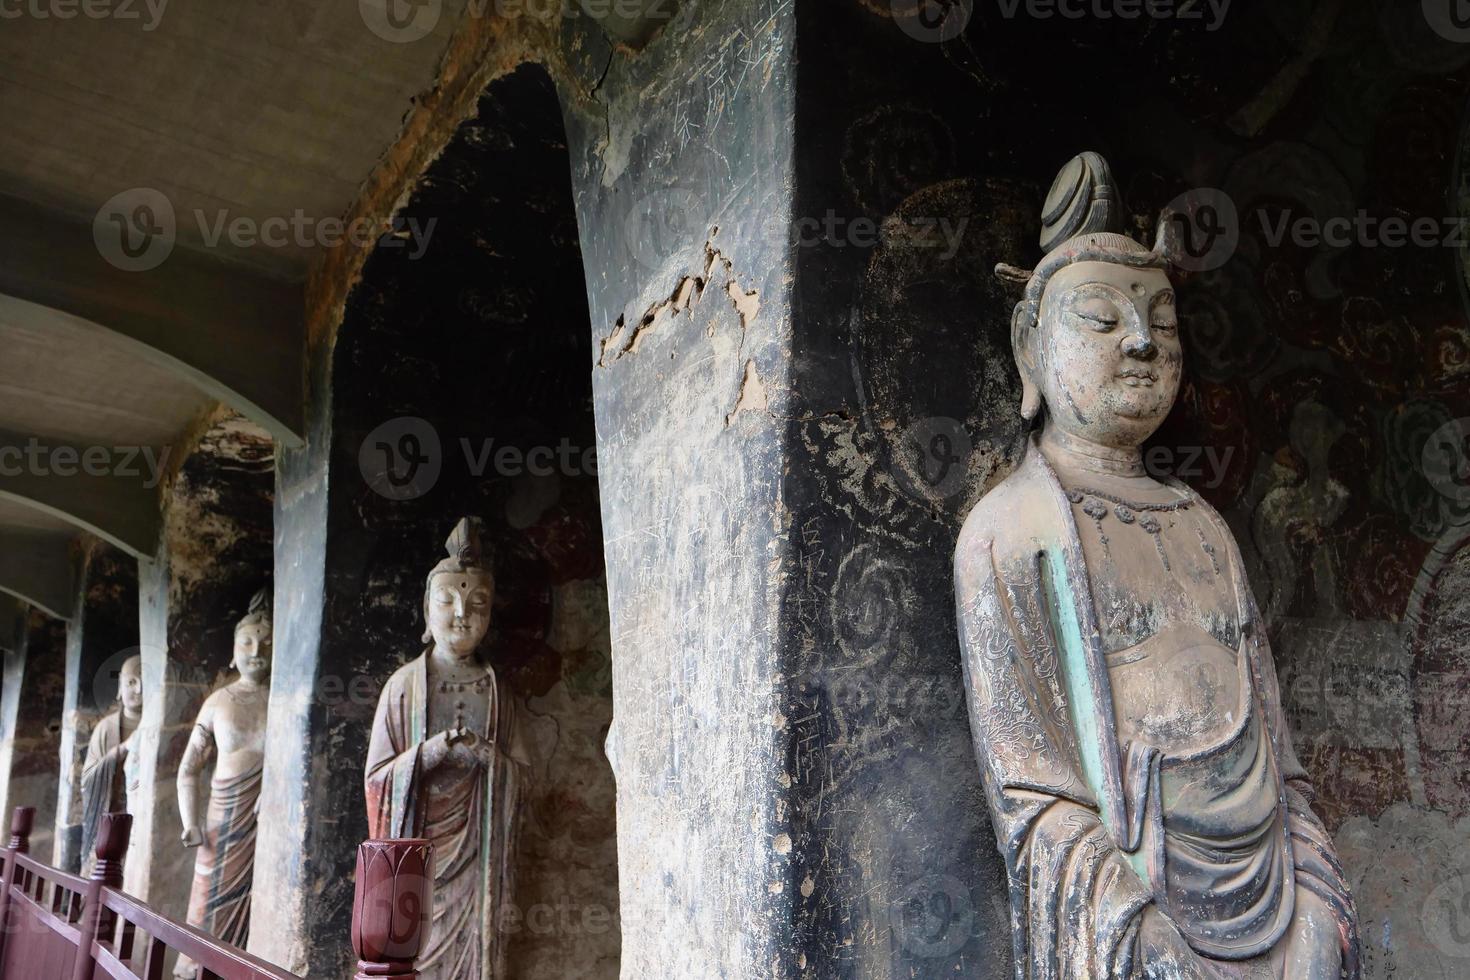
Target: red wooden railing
point(57, 926)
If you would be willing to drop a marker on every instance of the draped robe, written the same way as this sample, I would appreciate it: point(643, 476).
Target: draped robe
point(219, 902)
point(104, 783)
point(1069, 804)
point(471, 815)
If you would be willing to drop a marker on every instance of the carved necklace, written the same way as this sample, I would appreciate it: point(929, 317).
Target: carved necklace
point(1095, 503)
point(479, 686)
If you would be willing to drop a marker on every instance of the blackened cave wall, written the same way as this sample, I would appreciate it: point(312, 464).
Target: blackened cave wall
point(461, 386)
point(1320, 415)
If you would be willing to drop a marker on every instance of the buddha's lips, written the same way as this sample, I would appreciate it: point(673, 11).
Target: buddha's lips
point(1137, 378)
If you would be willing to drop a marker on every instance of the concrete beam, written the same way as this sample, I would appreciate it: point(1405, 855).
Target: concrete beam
point(37, 568)
point(119, 507)
point(235, 335)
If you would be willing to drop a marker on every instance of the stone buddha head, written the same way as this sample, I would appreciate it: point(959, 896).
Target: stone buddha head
point(130, 686)
point(1096, 336)
point(252, 657)
point(458, 594)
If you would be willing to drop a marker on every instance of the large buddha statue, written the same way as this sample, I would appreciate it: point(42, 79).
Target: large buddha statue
point(231, 726)
point(1153, 817)
point(447, 762)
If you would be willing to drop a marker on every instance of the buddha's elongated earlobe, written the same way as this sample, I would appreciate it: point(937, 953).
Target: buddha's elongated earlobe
point(1030, 398)
point(1023, 324)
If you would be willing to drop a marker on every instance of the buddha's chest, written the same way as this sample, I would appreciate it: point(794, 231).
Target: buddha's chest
point(1169, 617)
point(241, 725)
point(460, 704)
point(1180, 690)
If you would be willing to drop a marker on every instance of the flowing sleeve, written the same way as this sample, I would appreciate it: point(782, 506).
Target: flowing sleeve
point(1313, 853)
point(393, 767)
point(1076, 903)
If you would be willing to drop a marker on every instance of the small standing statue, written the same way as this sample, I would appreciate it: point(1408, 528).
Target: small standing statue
point(105, 775)
point(1153, 817)
point(231, 723)
point(446, 762)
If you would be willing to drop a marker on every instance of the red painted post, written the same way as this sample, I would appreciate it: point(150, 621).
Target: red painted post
point(391, 906)
point(22, 821)
point(112, 845)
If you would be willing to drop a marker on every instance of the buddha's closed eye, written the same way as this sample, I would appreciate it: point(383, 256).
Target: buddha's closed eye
point(1098, 313)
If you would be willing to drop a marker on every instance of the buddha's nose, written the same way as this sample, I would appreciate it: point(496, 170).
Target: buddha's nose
point(1139, 346)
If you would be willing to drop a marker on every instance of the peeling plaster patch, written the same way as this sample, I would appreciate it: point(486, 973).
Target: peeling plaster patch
point(808, 887)
point(782, 844)
point(752, 394)
point(747, 302)
point(684, 296)
point(612, 340)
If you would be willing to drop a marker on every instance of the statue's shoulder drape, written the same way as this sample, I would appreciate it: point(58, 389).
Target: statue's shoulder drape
point(1075, 902)
point(393, 769)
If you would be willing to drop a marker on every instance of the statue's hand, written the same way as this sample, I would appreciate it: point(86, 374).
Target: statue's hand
point(192, 836)
point(436, 749)
point(478, 748)
point(470, 749)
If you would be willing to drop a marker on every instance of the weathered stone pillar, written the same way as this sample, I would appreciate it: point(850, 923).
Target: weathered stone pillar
point(683, 166)
point(790, 336)
point(31, 705)
point(101, 634)
point(214, 555)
